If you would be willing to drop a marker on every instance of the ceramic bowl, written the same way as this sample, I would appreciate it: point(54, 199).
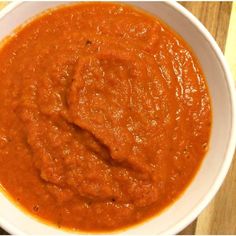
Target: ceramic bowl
point(223, 137)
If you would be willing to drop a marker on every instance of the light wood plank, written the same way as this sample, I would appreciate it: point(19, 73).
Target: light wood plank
point(3, 4)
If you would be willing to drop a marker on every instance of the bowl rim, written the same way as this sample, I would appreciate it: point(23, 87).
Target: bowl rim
point(191, 216)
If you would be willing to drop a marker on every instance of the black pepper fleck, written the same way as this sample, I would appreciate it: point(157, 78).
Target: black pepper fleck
point(88, 42)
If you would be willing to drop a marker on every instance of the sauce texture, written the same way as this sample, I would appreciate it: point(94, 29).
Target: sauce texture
point(105, 116)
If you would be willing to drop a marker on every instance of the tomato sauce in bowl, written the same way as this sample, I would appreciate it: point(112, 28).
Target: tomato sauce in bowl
point(105, 116)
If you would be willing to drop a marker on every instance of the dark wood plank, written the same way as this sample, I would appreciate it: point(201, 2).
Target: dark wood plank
point(223, 24)
point(214, 15)
point(190, 229)
point(2, 232)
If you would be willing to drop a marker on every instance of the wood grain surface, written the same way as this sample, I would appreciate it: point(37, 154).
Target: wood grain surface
point(220, 216)
point(230, 49)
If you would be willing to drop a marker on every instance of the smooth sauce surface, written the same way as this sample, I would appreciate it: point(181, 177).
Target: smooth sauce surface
point(105, 116)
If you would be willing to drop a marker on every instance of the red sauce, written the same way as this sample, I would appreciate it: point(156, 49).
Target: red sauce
point(105, 116)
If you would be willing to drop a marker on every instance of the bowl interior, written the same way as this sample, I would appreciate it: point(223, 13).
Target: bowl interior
point(216, 162)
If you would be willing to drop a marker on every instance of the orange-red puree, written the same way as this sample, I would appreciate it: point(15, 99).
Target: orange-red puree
point(105, 116)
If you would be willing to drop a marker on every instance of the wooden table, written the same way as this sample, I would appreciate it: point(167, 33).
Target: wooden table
point(220, 216)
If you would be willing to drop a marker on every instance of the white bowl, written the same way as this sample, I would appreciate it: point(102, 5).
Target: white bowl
point(223, 136)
